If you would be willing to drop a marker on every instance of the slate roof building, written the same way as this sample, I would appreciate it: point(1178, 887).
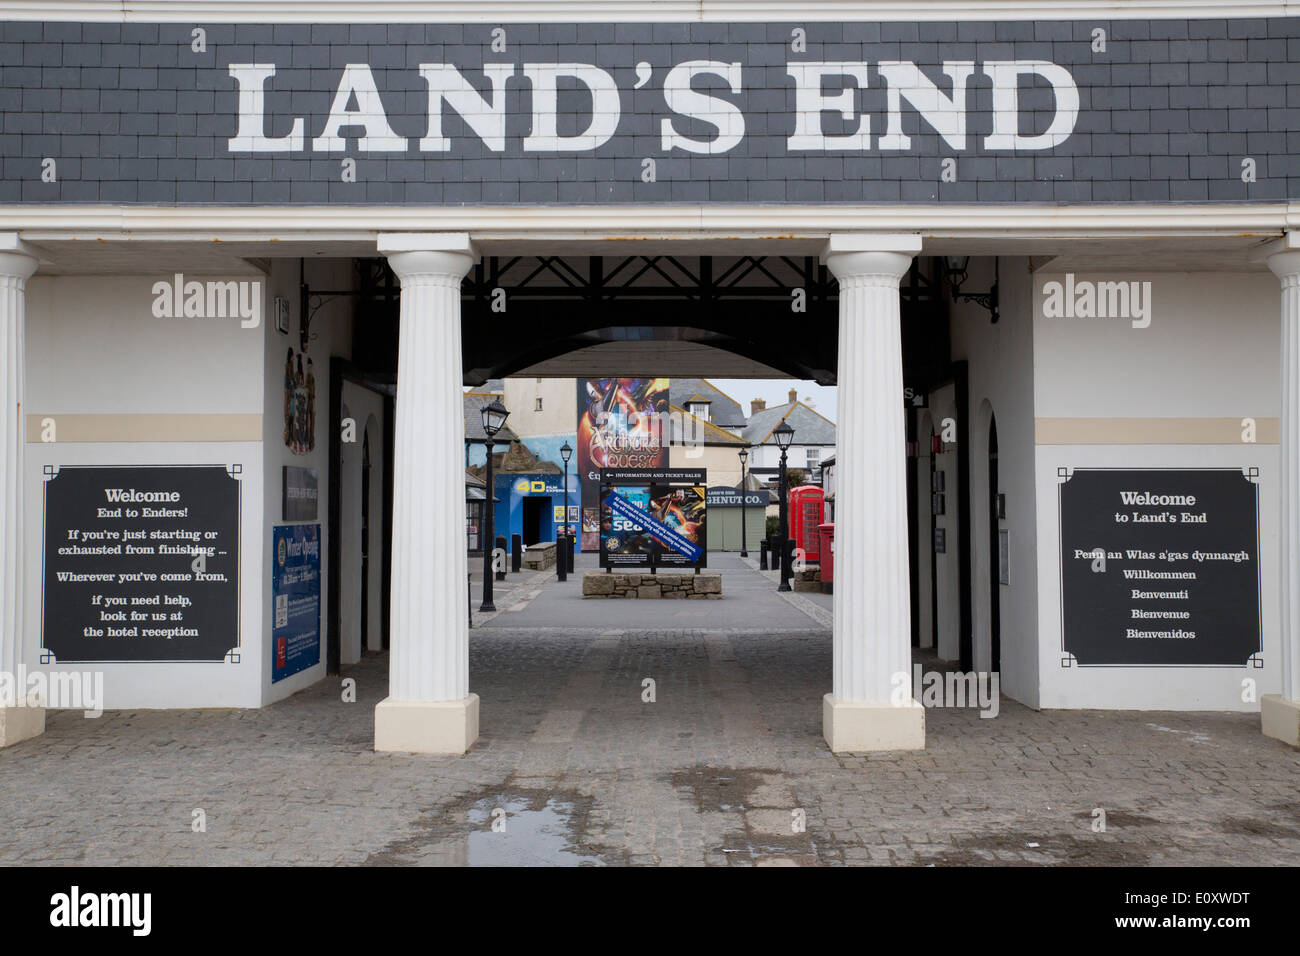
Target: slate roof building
point(813, 441)
point(708, 402)
point(252, 255)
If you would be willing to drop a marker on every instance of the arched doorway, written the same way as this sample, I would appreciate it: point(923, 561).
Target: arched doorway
point(995, 554)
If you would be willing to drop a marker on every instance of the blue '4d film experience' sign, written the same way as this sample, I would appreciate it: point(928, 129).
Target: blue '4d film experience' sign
point(1083, 111)
point(295, 590)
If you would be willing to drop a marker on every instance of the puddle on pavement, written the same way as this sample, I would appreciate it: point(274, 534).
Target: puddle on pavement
point(541, 828)
point(528, 835)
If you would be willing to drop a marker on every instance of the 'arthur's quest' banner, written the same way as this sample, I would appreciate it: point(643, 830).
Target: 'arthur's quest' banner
point(1043, 111)
point(622, 423)
point(141, 563)
point(1160, 567)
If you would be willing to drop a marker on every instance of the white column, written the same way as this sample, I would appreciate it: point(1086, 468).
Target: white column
point(1280, 714)
point(869, 709)
point(16, 266)
point(429, 708)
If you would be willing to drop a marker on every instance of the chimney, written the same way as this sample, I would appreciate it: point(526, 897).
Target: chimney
point(794, 395)
point(756, 406)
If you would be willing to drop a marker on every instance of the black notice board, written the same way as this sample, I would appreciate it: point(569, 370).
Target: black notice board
point(120, 579)
point(1160, 567)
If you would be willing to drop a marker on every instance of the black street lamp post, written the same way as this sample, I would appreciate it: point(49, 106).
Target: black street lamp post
point(494, 416)
point(744, 456)
point(562, 559)
point(784, 434)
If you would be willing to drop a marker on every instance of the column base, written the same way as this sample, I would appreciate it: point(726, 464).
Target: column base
point(853, 727)
point(1279, 718)
point(426, 726)
point(20, 723)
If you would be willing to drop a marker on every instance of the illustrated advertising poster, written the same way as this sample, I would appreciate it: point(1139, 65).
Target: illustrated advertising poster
point(683, 510)
point(295, 590)
point(621, 424)
point(624, 542)
point(656, 526)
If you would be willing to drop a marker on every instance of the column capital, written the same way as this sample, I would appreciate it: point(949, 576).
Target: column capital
point(849, 254)
point(436, 255)
point(1285, 263)
point(17, 259)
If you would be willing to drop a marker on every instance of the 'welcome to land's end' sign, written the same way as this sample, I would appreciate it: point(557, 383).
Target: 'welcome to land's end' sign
point(923, 112)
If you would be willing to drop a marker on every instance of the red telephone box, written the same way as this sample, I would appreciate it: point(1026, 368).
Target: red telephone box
point(806, 513)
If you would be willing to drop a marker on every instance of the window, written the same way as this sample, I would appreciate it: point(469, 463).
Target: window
point(814, 456)
point(538, 408)
point(700, 410)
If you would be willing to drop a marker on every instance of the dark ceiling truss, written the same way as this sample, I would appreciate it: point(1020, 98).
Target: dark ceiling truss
point(554, 305)
point(740, 304)
point(611, 278)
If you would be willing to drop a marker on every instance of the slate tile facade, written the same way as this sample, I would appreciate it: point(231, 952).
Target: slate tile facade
point(130, 114)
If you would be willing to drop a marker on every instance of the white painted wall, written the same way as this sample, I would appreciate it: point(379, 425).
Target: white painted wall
point(559, 414)
point(769, 455)
point(1000, 361)
point(1212, 350)
point(94, 347)
point(331, 330)
point(366, 408)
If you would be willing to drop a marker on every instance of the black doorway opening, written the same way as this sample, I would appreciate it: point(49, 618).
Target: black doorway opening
point(535, 510)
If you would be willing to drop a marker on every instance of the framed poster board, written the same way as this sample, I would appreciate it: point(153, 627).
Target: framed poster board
point(300, 494)
point(140, 563)
point(295, 599)
point(653, 518)
point(1160, 567)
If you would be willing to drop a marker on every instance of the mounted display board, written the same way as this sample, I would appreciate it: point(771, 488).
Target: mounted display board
point(1160, 567)
point(653, 518)
point(141, 563)
point(301, 494)
point(621, 425)
point(295, 599)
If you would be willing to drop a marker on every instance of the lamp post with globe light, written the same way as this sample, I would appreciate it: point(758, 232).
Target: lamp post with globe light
point(494, 417)
point(784, 434)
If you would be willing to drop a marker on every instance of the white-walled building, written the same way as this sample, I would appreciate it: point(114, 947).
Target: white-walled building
point(813, 440)
point(239, 314)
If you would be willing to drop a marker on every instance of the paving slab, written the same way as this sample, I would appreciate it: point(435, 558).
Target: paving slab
point(722, 764)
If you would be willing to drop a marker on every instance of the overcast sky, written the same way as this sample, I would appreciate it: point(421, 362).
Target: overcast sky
point(776, 391)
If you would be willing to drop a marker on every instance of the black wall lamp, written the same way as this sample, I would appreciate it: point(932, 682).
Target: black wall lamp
point(955, 267)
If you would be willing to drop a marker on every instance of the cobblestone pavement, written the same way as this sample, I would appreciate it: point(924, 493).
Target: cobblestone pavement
point(718, 770)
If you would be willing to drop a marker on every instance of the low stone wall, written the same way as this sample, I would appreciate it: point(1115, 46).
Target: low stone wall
point(809, 579)
point(673, 584)
point(540, 556)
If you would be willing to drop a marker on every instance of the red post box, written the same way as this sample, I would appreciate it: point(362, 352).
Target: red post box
point(826, 534)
